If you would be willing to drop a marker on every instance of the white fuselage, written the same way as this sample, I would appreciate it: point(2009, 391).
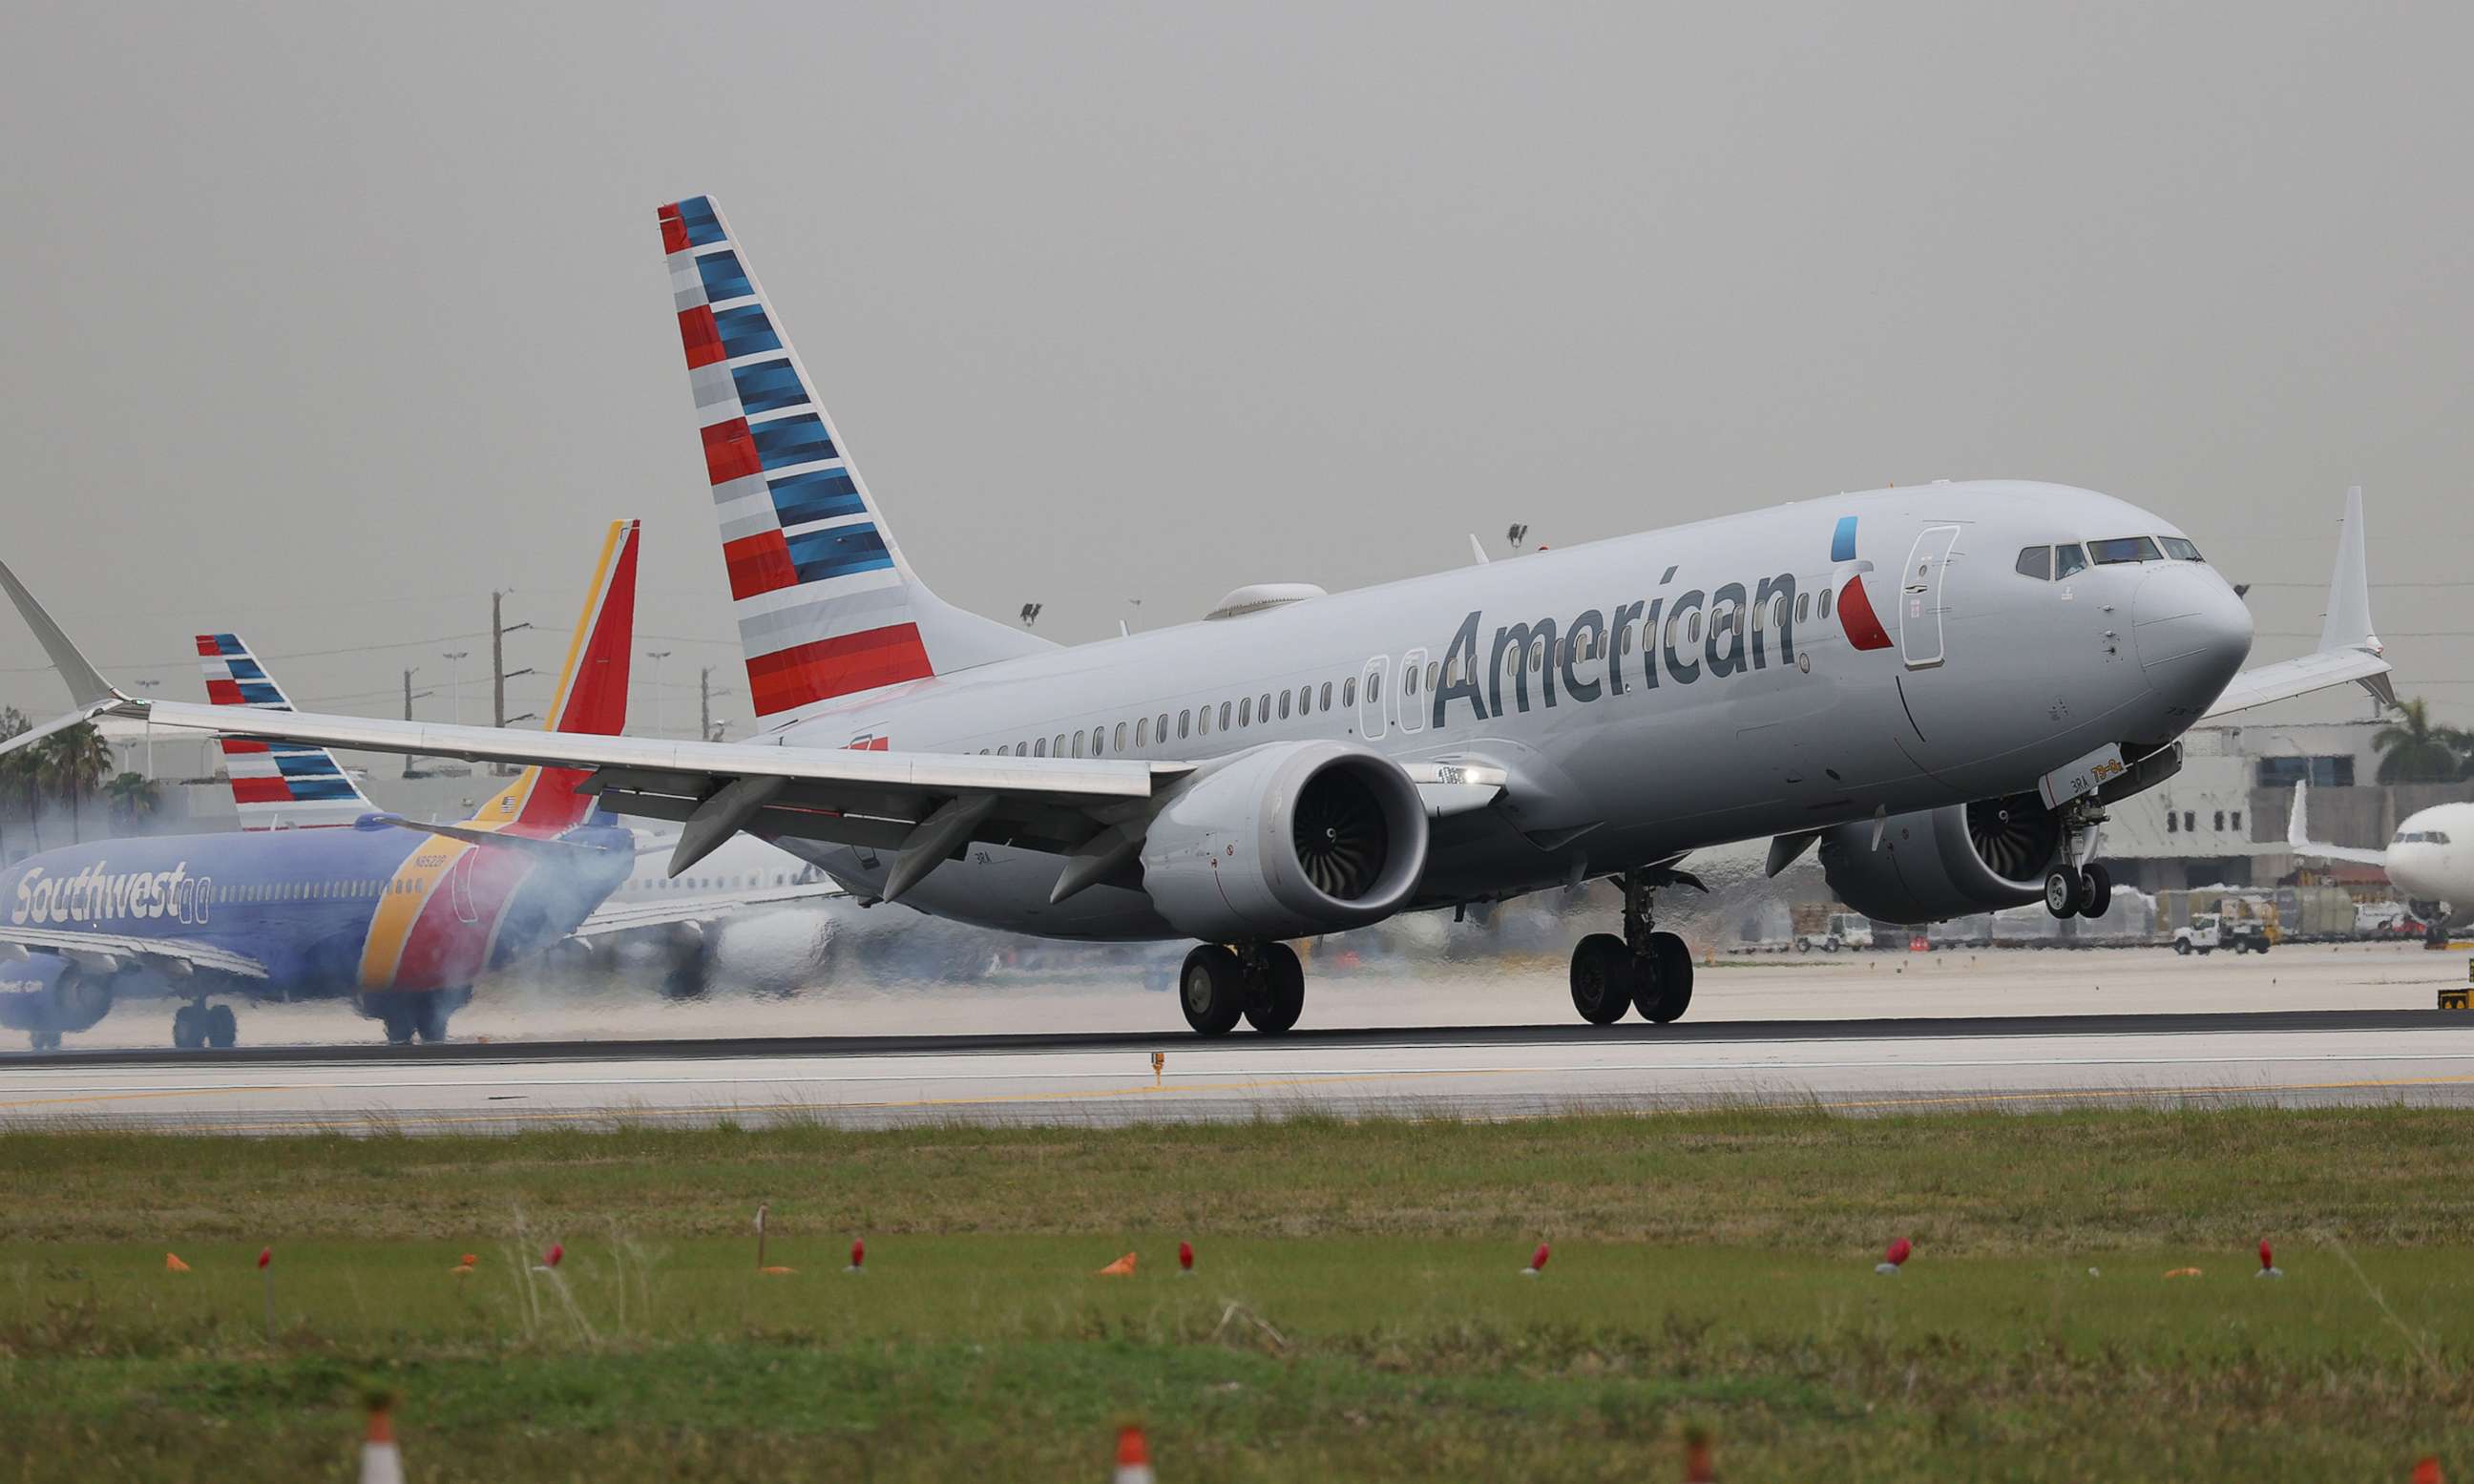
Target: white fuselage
point(1620, 754)
point(2432, 858)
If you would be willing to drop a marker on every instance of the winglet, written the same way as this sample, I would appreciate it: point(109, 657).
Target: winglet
point(2348, 624)
point(2349, 648)
point(2297, 824)
point(87, 685)
point(1478, 551)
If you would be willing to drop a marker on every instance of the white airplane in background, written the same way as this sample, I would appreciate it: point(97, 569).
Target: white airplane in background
point(2431, 860)
point(1942, 686)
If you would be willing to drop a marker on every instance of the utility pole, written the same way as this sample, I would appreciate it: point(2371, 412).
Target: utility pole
point(705, 696)
point(657, 656)
point(499, 675)
point(409, 697)
point(455, 657)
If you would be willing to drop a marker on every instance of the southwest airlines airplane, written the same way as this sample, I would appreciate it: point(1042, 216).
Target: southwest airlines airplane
point(1942, 687)
point(320, 893)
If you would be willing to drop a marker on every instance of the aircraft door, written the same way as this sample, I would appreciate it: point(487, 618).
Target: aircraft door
point(1921, 589)
point(1370, 697)
point(459, 887)
point(1412, 692)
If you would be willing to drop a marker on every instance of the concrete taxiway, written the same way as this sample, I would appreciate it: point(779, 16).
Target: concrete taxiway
point(2351, 1026)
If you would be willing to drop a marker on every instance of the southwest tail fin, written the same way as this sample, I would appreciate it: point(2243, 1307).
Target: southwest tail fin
point(275, 785)
point(826, 604)
point(591, 697)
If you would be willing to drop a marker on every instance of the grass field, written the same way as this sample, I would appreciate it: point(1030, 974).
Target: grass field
point(1355, 1312)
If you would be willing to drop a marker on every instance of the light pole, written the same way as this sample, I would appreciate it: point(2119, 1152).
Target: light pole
point(657, 656)
point(452, 657)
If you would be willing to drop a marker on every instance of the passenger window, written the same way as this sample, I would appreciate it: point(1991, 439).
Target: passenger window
point(1827, 593)
point(1326, 695)
point(1223, 715)
point(1021, 749)
point(1537, 655)
point(1143, 731)
point(1185, 720)
point(2123, 549)
point(1246, 712)
point(2068, 560)
point(1431, 668)
point(1693, 628)
point(1284, 705)
point(1374, 688)
point(1161, 730)
point(1349, 691)
point(1803, 606)
point(1263, 708)
point(1623, 640)
point(1078, 744)
point(1119, 737)
point(2181, 550)
point(1409, 681)
point(2035, 562)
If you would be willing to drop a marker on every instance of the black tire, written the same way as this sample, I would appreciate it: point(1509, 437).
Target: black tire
point(2097, 894)
point(188, 1027)
point(46, 1040)
point(222, 1026)
point(2182, 946)
point(1830, 945)
point(396, 1018)
point(2063, 894)
point(2262, 946)
point(690, 975)
point(1211, 989)
point(1602, 978)
point(430, 1013)
point(1671, 967)
point(1803, 945)
point(1277, 1002)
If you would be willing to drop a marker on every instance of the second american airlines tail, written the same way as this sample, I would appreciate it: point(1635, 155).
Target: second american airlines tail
point(1942, 688)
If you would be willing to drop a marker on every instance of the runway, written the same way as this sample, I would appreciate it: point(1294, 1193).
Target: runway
point(1882, 1034)
point(1875, 1066)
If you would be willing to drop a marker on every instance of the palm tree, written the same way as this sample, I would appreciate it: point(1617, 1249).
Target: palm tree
point(2417, 751)
point(18, 778)
point(75, 762)
point(133, 796)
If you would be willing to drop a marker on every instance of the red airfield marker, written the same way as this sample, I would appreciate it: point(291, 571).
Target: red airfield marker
point(1895, 1258)
point(1536, 1262)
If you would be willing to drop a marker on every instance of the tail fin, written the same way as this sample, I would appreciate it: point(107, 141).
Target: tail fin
point(591, 697)
point(826, 604)
point(275, 785)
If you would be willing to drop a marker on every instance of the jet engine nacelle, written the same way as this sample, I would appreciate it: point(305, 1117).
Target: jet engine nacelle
point(1285, 840)
point(48, 996)
point(1953, 861)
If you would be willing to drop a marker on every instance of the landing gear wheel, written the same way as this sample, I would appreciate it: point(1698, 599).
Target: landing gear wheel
point(46, 1040)
point(1603, 975)
point(1211, 988)
point(397, 1020)
point(189, 1027)
point(2063, 892)
point(429, 1017)
point(222, 1026)
point(1279, 996)
point(2096, 893)
point(1664, 991)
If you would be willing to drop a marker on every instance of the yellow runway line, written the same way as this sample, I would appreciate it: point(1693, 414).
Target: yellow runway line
point(122, 1097)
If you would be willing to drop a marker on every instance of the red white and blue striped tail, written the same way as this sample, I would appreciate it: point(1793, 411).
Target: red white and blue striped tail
point(275, 785)
point(827, 607)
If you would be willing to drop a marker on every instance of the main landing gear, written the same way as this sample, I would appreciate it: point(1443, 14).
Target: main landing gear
point(1643, 969)
point(406, 1013)
point(198, 1024)
point(1262, 984)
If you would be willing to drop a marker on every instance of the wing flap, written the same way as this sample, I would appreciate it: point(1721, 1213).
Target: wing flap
point(68, 941)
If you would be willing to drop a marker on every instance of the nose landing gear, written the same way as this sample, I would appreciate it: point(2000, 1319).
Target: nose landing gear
point(2072, 889)
point(1644, 971)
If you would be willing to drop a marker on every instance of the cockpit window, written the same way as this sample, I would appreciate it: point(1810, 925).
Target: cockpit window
point(2182, 550)
point(2036, 561)
point(2068, 560)
point(2422, 837)
point(2124, 548)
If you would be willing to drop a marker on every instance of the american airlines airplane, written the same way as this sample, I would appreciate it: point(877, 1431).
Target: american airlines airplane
point(1942, 687)
point(2431, 860)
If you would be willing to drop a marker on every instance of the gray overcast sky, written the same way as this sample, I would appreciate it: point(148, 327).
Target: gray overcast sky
point(324, 320)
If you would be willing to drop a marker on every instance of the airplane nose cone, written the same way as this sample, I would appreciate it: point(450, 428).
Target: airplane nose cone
point(2190, 630)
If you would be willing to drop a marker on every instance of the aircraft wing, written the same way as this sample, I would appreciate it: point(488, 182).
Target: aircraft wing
point(2297, 836)
point(2349, 649)
point(107, 950)
point(629, 917)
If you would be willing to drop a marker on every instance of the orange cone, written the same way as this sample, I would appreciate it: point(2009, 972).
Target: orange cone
point(1698, 1468)
point(172, 1263)
point(381, 1463)
point(2427, 1471)
point(1122, 1267)
point(1133, 1457)
point(464, 1265)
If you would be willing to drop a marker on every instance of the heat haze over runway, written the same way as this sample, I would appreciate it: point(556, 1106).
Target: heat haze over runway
point(1883, 1033)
